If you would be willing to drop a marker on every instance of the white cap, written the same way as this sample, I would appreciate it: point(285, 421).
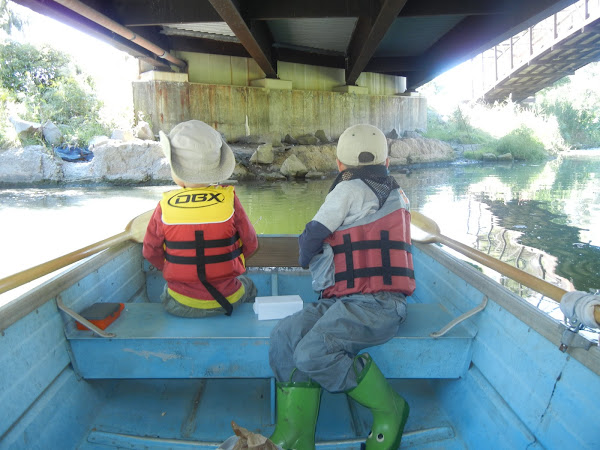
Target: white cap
point(359, 139)
point(197, 153)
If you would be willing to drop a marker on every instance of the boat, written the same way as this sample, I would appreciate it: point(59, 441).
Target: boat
point(480, 367)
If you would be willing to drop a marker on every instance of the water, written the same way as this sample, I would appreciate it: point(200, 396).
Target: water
point(543, 218)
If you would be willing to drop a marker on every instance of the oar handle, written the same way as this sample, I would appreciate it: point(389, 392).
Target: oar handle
point(18, 279)
point(535, 283)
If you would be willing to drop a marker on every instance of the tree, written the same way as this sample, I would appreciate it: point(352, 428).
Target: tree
point(8, 19)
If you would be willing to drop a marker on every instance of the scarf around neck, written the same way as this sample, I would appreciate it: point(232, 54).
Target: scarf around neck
point(376, 177)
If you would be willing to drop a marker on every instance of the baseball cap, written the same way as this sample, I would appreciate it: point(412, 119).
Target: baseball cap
point(364, 139)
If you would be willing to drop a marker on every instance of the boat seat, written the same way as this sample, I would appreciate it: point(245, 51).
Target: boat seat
point(149, 343)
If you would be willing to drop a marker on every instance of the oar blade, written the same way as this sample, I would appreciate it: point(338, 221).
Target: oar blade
point(137, 227)
point(423, 229)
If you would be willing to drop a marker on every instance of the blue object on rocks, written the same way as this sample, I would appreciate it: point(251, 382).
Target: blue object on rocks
point(73, 154)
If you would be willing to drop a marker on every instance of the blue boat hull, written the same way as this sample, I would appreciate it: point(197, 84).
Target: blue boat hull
point(496, 381)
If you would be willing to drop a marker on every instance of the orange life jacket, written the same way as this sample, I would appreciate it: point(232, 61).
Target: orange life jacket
point(373, 257)
point(201, 242)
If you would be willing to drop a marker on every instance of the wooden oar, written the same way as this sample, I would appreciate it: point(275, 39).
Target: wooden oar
point(135, 230)
point(432, 234)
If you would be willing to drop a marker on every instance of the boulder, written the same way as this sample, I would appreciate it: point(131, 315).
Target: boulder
point(263, 155)
point(24, 128)
point(31, 164)
point(293, 167)
point(52, 134)
point(419, 150)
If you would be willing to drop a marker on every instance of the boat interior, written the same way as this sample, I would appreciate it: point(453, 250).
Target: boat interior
point(479, 367)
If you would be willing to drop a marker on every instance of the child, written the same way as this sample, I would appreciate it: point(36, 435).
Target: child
point(200, 236)
point(358, 249)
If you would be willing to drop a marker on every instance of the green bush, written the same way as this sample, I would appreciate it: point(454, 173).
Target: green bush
point(43, 85)
point(457, 129)
point(522, 145)
point(579, 127)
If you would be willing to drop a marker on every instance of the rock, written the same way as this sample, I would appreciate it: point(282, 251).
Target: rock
point(421, 150)
point(122, 135)
point(134, 161)
point(97, 141)
point(275, 176)
point(24, 128)
point(307, 139)
point(143, 131)
point(52, 134)
point(253, 140)
point(412, 134)
point(392, 134)
point(508, 157)
point(322, 137)
point(313, 175)
point(489, 157)
point(31, 164)
point(263, 155)
point(293, 167)
point(290, 140)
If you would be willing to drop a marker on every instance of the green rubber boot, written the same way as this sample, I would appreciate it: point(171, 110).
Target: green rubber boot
point(389, 409)
point(297, 411)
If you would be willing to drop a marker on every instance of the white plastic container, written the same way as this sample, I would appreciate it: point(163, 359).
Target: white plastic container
point(277, 306)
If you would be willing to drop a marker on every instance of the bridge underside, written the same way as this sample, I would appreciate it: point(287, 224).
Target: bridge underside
point(555, 62)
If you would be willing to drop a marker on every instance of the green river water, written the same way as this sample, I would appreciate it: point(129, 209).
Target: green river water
point(545, 218)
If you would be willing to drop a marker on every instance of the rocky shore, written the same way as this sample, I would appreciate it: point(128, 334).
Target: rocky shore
point(135, 161)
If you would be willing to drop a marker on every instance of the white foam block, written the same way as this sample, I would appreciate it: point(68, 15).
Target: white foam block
point(277, 306)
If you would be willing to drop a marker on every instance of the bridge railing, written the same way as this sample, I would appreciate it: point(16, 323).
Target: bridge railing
point(495, 64)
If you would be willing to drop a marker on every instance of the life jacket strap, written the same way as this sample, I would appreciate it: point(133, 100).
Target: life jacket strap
point(200, 260)
point(220, 298)
point(386, 270)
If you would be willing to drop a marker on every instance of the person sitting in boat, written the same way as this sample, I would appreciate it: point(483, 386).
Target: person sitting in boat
point(358, 249)
point(199, 236)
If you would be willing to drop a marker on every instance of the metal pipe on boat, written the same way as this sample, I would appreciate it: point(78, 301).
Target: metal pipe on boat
point(119, 29)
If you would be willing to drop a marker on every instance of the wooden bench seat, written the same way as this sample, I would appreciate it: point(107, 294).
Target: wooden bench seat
point(150, 343)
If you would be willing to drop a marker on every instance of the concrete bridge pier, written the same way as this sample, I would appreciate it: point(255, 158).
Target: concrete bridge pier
point(233, 95)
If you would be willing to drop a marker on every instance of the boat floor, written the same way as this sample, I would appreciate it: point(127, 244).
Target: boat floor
point(196, 413)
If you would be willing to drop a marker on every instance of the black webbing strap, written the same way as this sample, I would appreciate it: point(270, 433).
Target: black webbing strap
point(386, 271)
point(200, 260)
point(189, 245)
point(220, 298)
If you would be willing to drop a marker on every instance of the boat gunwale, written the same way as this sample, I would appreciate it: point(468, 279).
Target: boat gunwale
point(527, 313)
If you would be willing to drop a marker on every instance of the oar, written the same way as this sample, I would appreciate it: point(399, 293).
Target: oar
point(432, 234)
point(134, 230)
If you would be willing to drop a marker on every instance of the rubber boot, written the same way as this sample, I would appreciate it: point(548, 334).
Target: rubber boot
point(389, 409)
point(297, 411)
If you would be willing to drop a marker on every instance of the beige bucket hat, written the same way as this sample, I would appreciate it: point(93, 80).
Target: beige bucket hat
point(197, 153)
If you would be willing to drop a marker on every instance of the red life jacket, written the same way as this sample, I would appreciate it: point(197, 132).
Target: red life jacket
point(373, 257)
point(201, 241)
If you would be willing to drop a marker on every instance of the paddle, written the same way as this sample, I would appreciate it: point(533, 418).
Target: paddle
point(432, 234)
point(134, 231)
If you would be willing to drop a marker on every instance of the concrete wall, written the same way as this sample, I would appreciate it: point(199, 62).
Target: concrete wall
point(164, 104)
point(219, 90)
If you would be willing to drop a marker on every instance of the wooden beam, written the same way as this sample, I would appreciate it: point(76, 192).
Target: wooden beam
point(367, 35)
point(255, 38)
